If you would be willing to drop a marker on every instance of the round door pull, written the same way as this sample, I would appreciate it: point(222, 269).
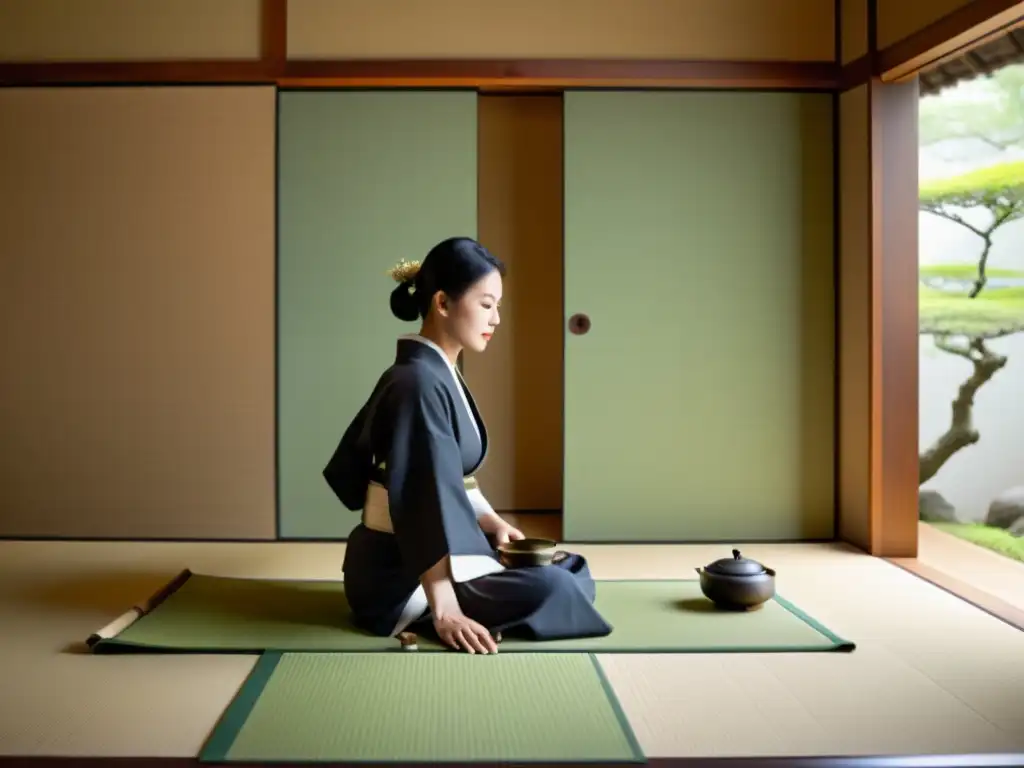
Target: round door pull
point(579, 324)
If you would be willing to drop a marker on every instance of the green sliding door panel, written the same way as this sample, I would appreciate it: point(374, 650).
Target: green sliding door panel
point(365, 179)
point(699, 243)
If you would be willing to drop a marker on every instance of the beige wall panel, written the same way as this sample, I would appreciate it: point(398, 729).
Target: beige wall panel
point(118, 30)
point(798, 30)
point(137, 312)
point(518, 382)
point(854, 316)
point(898, 19)
point(854, 29)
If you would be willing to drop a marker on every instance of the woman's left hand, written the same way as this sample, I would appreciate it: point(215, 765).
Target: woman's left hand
point(506, 533)
point(502, 532)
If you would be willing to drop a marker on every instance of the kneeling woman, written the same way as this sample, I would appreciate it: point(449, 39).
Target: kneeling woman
point(420, 553)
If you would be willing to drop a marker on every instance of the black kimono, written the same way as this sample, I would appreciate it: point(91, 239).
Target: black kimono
point(407, 461)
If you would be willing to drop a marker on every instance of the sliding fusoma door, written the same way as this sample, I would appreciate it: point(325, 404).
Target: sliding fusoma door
point(365, 179)
point(699, 247)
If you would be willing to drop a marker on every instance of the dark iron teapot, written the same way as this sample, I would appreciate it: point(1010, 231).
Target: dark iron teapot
point(737, 583)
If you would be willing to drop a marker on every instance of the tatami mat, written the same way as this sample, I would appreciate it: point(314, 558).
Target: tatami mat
point(433, 708)
point(931, 674)
point(870, 703)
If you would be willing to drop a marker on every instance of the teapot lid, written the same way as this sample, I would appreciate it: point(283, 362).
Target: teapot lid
point(737, 565)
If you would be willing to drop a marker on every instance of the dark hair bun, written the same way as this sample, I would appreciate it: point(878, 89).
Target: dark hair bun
point(403, 303)
point(451, 266)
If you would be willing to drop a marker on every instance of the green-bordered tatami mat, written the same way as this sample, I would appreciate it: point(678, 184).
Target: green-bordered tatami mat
point(409, 707)
point(211, 614)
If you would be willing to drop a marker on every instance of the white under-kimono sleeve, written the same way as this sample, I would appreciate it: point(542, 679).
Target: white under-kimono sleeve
point(481, 506)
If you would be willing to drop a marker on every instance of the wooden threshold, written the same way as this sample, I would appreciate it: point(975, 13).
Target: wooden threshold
point(484, 74)
point(980, 599)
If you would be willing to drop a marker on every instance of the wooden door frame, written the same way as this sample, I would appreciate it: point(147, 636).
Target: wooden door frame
point(890, 521)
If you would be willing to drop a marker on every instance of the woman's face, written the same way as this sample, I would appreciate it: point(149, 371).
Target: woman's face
point(472, 320)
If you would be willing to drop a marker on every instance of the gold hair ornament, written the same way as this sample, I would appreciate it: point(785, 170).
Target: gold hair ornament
point(404, 271)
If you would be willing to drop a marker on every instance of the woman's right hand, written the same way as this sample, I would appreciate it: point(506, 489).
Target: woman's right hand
point(462, 633)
